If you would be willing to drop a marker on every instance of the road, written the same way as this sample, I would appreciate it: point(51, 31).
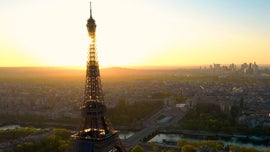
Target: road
point(152, 124)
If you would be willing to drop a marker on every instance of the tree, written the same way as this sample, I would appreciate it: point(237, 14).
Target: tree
point(188, 148)
point(154, 146)
point(181, 143)
point(241, 148)
point(137, 148)
point(62, 133)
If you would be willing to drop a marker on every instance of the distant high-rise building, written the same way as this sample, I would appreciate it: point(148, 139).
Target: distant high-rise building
point(255, 68)
point(217, 68)
point(251, 68)
point(96, 135)
point(244, 67)
point(232, 67)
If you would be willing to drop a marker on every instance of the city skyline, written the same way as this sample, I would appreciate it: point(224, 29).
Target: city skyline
point(152, 33)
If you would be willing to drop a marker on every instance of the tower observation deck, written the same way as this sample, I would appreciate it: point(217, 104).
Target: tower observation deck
point(95, 135)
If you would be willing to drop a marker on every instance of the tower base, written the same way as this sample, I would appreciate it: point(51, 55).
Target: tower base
point(110, 143)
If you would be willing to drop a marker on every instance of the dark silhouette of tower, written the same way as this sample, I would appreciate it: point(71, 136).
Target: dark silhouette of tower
point(96, 135)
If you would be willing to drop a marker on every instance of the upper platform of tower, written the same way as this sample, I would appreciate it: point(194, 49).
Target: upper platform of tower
point(91, 24)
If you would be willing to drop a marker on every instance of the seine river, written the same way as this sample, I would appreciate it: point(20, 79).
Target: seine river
point(175, 137)
point(169, 137)
point(9, 127)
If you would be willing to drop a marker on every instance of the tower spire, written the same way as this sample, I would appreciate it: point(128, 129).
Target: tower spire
point(91, 25)
point(90, 10)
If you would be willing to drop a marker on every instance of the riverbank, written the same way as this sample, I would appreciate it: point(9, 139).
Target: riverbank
point(215, 136)
point(170, 137)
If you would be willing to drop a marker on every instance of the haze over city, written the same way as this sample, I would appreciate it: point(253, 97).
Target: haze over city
point(135, 33)
point(189, 76)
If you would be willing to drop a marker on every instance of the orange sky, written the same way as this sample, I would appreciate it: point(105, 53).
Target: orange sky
point(135, 33)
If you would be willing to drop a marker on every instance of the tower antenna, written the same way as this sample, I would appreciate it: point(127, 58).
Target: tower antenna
point(90, 10)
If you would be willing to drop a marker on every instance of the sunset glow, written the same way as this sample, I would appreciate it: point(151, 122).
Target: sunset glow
point(135, 33)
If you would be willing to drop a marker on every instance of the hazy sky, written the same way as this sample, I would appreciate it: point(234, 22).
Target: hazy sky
point(135, 32)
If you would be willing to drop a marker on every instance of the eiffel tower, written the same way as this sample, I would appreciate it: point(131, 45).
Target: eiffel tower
point(96, 135)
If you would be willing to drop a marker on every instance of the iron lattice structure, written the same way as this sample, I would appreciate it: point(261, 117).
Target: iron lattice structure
point(96, 135)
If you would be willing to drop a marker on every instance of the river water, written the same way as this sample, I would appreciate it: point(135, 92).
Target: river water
point(175, 137)
point(125, 134)
point(9, 127)
point(169, 137)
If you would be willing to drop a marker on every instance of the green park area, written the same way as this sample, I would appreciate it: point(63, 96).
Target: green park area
point(57, 142)
point(209, 117)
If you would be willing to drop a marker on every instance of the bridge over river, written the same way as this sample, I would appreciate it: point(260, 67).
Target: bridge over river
point(152, 124)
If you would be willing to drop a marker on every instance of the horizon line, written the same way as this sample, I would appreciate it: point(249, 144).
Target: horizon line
point(132, 67)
